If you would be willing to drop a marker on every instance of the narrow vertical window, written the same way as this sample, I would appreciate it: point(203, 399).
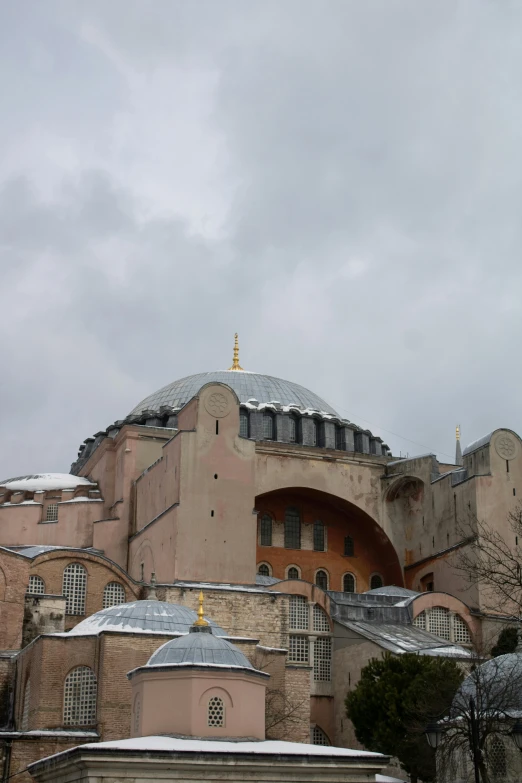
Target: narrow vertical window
point(348, 546)
point(319, 537)
point(348, 583)
point(216, 712)
point(321, 579)
point(292, 429)
point(27, 704)
point(268, 426)
point(314, 433)
point(339, 439)
point(266, 530)
point(79, 697)
point(292, 528)
point(243, 425)
point(74, 588)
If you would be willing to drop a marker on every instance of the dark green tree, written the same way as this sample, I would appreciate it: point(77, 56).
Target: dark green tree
point(506, 643)
point(396, 697)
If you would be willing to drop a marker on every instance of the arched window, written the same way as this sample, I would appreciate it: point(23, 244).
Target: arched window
point(113, 594)
point(319, 537)
point(298, 613)
point(376, 582)
point(292, 429)
point(496, 756)
point(79, 697)
point(292, 528)
point(348, 583)
point(321, 579)
point(27, 704)
point(348, 546)
point(268, 426)
point(244, 429)
point(216, 712)
point(319, 737)
point(292, 573)
point(321, 624)
point(265, 530)
point(263, 569)
point(74, 588)
point(36, 585)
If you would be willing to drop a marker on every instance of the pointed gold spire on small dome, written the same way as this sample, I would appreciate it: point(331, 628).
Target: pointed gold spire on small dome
point(201, 619)
point(235, 361)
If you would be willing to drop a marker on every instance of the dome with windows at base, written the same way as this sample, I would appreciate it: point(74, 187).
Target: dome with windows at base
point(247, 386)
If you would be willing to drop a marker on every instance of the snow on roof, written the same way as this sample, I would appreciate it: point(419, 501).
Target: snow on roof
point(263, 747)
point(400, 638)
point(45, 481)
point(32, 551)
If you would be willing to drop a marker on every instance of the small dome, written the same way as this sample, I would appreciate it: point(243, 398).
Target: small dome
point(498, 682)
point(247, 385)
point(200, 648)
point(141, 617)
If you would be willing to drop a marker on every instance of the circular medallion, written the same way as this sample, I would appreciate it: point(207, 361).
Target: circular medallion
point(218, 404)
point(506, 447)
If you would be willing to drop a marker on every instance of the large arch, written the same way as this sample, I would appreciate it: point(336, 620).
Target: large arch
point(372, 551)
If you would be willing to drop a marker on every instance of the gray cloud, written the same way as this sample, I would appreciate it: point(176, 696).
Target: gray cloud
point(339, 182)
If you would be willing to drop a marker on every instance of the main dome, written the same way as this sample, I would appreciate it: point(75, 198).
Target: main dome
point(247, 385)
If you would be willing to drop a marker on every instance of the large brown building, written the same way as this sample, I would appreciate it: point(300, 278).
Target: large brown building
point(315, 548)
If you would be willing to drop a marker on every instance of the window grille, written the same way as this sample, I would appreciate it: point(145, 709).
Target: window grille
point(243, 425)
point(113, 594)
point(36, 585)
point(439, 622)
point(298, 613)
point(321, 580)
point(51, 514)
point(298, 649)
point(321, 623)
point(319, 537)
point(292, 529)
point(496, 756)
point(292, 434)
point(74, 588)
point(216, 712)
point(27, 701)
point(420, 620)
point(268, 427)
point(79, 697)
point(266, 530)
point(348, 583)
point(293, 573)
point(263, 570)
point(319, 737)
point(376, 582)
point(461, 632)
point(323, 659)
point(348, 546)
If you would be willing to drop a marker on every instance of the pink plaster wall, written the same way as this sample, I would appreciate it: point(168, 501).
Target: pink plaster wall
point(155, 692)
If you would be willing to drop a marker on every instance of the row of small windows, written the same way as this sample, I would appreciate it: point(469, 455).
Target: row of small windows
point(292, 533)
point(322, 578)
point(295, 430)
point(74, 588)
point(444, 623)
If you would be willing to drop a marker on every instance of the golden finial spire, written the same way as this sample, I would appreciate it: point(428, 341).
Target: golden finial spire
point(235, 362)
point(457, 432)
point(201, 620)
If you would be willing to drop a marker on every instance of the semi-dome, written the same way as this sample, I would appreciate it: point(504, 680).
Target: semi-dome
point(247, 385)
point(199, 648)
point(495, 686)
point(142, 617)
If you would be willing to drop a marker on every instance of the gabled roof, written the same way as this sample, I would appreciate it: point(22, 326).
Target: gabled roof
point(400, 639)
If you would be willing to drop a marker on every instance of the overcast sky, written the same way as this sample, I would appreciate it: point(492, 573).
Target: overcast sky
point(340, 181)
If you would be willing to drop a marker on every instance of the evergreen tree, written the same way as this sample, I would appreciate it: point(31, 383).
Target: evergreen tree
point(395, 699)
point(506, 643)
